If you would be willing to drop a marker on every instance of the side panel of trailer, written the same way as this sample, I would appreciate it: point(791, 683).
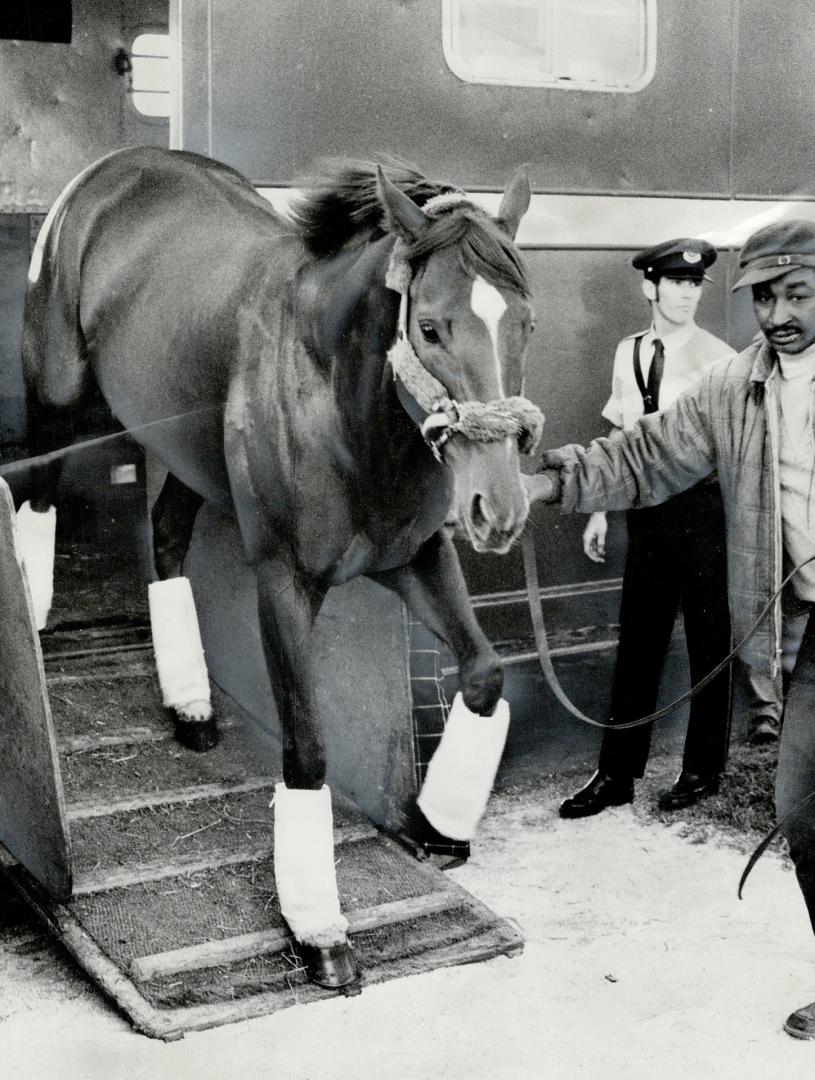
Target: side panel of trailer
point(357, 76)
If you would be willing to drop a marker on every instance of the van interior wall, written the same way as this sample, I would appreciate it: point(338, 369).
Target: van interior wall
point(62, 106)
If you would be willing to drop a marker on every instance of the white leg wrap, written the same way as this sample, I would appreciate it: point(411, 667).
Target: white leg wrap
point(304, 865)
point(36, 535)
point(182, 669)
point(462, 770)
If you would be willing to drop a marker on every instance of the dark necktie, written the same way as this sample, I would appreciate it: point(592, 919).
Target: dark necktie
point(655, 377)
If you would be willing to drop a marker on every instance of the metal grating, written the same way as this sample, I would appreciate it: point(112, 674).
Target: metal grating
point(430, 689)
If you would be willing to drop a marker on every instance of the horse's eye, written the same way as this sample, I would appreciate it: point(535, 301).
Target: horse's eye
point(429, 333)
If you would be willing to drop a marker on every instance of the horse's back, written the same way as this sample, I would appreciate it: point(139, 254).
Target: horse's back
point(137, 278)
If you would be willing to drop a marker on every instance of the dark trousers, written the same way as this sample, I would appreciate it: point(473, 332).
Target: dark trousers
point(795, 779)
point(676, 556)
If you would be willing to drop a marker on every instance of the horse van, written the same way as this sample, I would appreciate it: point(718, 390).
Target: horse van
point(636, 123)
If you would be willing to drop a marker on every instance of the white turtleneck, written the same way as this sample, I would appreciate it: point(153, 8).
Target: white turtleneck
point(795, 387)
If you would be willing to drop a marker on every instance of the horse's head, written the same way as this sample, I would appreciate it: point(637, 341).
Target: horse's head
point(464, 326)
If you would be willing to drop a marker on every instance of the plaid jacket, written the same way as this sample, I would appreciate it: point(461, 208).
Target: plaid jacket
point(728, 422)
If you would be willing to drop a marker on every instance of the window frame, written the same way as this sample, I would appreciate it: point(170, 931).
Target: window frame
point(148, 118)
point(454, 63)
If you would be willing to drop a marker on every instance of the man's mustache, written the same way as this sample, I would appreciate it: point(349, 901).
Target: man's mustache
point(784, 328)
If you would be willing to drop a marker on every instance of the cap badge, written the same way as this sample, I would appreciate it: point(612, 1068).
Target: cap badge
point(692, 256)
point(783, 260)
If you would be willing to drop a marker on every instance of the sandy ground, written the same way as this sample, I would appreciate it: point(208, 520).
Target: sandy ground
point(640, 962)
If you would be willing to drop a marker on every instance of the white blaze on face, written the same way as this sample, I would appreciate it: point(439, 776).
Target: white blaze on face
point(488, 304)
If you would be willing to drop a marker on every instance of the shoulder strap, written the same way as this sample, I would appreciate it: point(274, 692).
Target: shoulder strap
point(646, 397)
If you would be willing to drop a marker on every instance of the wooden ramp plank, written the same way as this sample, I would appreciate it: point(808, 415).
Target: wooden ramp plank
point(80, 744)
point(121, 877)
point(495, 939)
point(80, 810)
point(126, 736)
point(241, 947)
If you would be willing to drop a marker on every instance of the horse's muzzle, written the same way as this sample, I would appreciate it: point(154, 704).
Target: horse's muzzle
point(492, 530)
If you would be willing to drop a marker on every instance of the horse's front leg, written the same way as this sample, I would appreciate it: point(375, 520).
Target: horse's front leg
point(303, 839)
point(462, 770)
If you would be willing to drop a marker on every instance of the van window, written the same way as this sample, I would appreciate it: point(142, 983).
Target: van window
point(570, 44)
point(151, 78)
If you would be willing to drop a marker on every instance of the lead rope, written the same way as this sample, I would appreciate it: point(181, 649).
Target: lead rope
point(768, 839)
point(10, 468)
point(544, 655)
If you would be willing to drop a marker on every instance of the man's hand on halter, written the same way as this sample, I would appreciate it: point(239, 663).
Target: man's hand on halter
point(594, 537)
point(543, 486)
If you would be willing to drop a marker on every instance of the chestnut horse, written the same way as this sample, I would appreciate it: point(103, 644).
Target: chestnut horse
point(341, 382)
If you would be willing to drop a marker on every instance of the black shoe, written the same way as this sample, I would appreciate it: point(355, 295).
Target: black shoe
point(687, 789)
point(600, 792)
point(765, 731)
point(801, 1023)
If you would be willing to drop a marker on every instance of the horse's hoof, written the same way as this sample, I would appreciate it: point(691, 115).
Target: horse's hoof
point(198, 735)
point(428, 844)
point(332, 966)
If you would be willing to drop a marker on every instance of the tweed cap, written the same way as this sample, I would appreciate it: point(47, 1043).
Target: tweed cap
point(685, 257)
point(775, 250)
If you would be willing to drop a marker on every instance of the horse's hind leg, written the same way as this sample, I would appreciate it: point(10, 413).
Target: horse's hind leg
point(303, 839)
point(180, 659)
point(49, 431)
point(57, 381)
point(173, 515)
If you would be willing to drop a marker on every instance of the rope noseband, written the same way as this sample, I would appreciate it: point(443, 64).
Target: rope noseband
point(479, 421)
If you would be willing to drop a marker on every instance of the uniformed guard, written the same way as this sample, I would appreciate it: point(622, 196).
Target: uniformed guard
point(676, 551)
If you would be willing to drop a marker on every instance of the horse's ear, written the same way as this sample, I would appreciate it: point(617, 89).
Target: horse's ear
point(402, 215)
point(515, 202)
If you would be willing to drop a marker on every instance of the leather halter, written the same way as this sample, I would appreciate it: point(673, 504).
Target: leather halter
point(425, 399)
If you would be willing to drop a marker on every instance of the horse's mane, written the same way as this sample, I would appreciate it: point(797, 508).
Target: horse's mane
point(340, 209)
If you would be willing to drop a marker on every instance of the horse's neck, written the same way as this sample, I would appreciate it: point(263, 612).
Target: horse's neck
point(351, 324)
point(349, 319)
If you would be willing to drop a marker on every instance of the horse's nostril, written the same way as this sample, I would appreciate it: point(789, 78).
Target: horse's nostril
point(478, 514)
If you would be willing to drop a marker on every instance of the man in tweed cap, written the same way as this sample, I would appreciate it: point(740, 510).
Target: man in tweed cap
point(751, 419)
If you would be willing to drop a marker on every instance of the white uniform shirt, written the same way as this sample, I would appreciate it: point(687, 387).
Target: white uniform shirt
point(689, 352)
point(796, 463)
